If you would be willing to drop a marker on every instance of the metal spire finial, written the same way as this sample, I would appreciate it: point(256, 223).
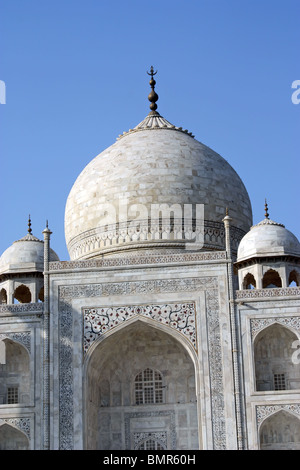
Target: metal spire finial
point(266, 210)
point(29, 224)
point(153, 96)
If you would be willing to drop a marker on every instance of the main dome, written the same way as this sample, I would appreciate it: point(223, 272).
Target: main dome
point(155, 165)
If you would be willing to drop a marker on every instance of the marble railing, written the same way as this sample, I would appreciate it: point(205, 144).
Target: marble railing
point(22, 308)
point(267, 293)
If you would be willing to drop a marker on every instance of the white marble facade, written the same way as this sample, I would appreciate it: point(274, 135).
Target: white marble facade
point(140, 341)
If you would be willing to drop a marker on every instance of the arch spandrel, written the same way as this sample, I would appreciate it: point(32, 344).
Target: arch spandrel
point(178, 318)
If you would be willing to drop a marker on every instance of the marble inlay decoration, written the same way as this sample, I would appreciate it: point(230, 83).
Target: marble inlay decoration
point(264, 411)
point(98, 321)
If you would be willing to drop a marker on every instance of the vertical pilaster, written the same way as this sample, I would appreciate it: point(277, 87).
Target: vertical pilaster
point(46, 358)
point(239, 404)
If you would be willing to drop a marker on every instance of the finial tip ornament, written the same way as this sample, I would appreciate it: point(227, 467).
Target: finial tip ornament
point(29, 224)
point(153, 96)
point(266, 210)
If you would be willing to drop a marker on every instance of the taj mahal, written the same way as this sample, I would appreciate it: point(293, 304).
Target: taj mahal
point(174, 325)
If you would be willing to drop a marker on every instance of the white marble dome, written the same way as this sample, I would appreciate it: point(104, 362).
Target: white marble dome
point(26, 254)
point(154, 163)
point(268, 238)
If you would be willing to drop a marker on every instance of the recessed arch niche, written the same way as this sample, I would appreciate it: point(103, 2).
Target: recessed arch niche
point(113, 420)
point(273, 357)
point(12, 438)
point(280, 431)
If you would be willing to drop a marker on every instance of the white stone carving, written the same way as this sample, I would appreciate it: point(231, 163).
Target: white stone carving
point(266, 293)
point(263, 411)
point(20, 337)
point(98, 321)
point(258, 324)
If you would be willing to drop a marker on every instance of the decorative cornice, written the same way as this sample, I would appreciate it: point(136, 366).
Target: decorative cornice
point(137, 260)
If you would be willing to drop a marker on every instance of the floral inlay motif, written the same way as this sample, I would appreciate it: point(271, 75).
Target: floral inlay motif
point(97, 321)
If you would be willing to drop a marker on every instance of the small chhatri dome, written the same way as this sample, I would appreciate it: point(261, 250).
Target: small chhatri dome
point(26, 254)
point(268, 238)
point(153, 164)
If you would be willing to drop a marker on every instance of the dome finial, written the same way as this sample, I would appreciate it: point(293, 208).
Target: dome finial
point(29, 224)
point(153, 96)
point(266, 210)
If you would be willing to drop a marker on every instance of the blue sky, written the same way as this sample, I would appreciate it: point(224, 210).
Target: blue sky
point(75, 75)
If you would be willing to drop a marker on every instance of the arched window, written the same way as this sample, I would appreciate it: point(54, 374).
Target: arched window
point(294, 278)
point(249, 282)
point(3, 296)
point(41, 294)
point(271, 279)
point(151, 444)
point(148, 387)
point(22, 294)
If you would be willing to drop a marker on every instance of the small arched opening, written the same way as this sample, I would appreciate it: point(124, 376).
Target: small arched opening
point(22, 294)
point(271, 279)
point(3, 296)
point(41, 294)
point(294, 278)
point(249, 281)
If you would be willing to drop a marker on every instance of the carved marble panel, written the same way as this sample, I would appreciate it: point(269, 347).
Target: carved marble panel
point(180, 317)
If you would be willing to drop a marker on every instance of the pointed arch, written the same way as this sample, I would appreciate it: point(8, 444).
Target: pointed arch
point(3, 296)
point(271, 278)
point(280, 431)
point(294, 278)
point(155, 324)
point(12, 438)
point(41, 294)
point(14, 373)
point(249, 281)
point(124, 353)
point(273, 364)
point(22, 294)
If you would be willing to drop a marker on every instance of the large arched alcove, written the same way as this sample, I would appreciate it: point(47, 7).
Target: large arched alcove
point(14, 373)
point(138, 361)
point(12, 439)
point(273, 356)
point(280, 431)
